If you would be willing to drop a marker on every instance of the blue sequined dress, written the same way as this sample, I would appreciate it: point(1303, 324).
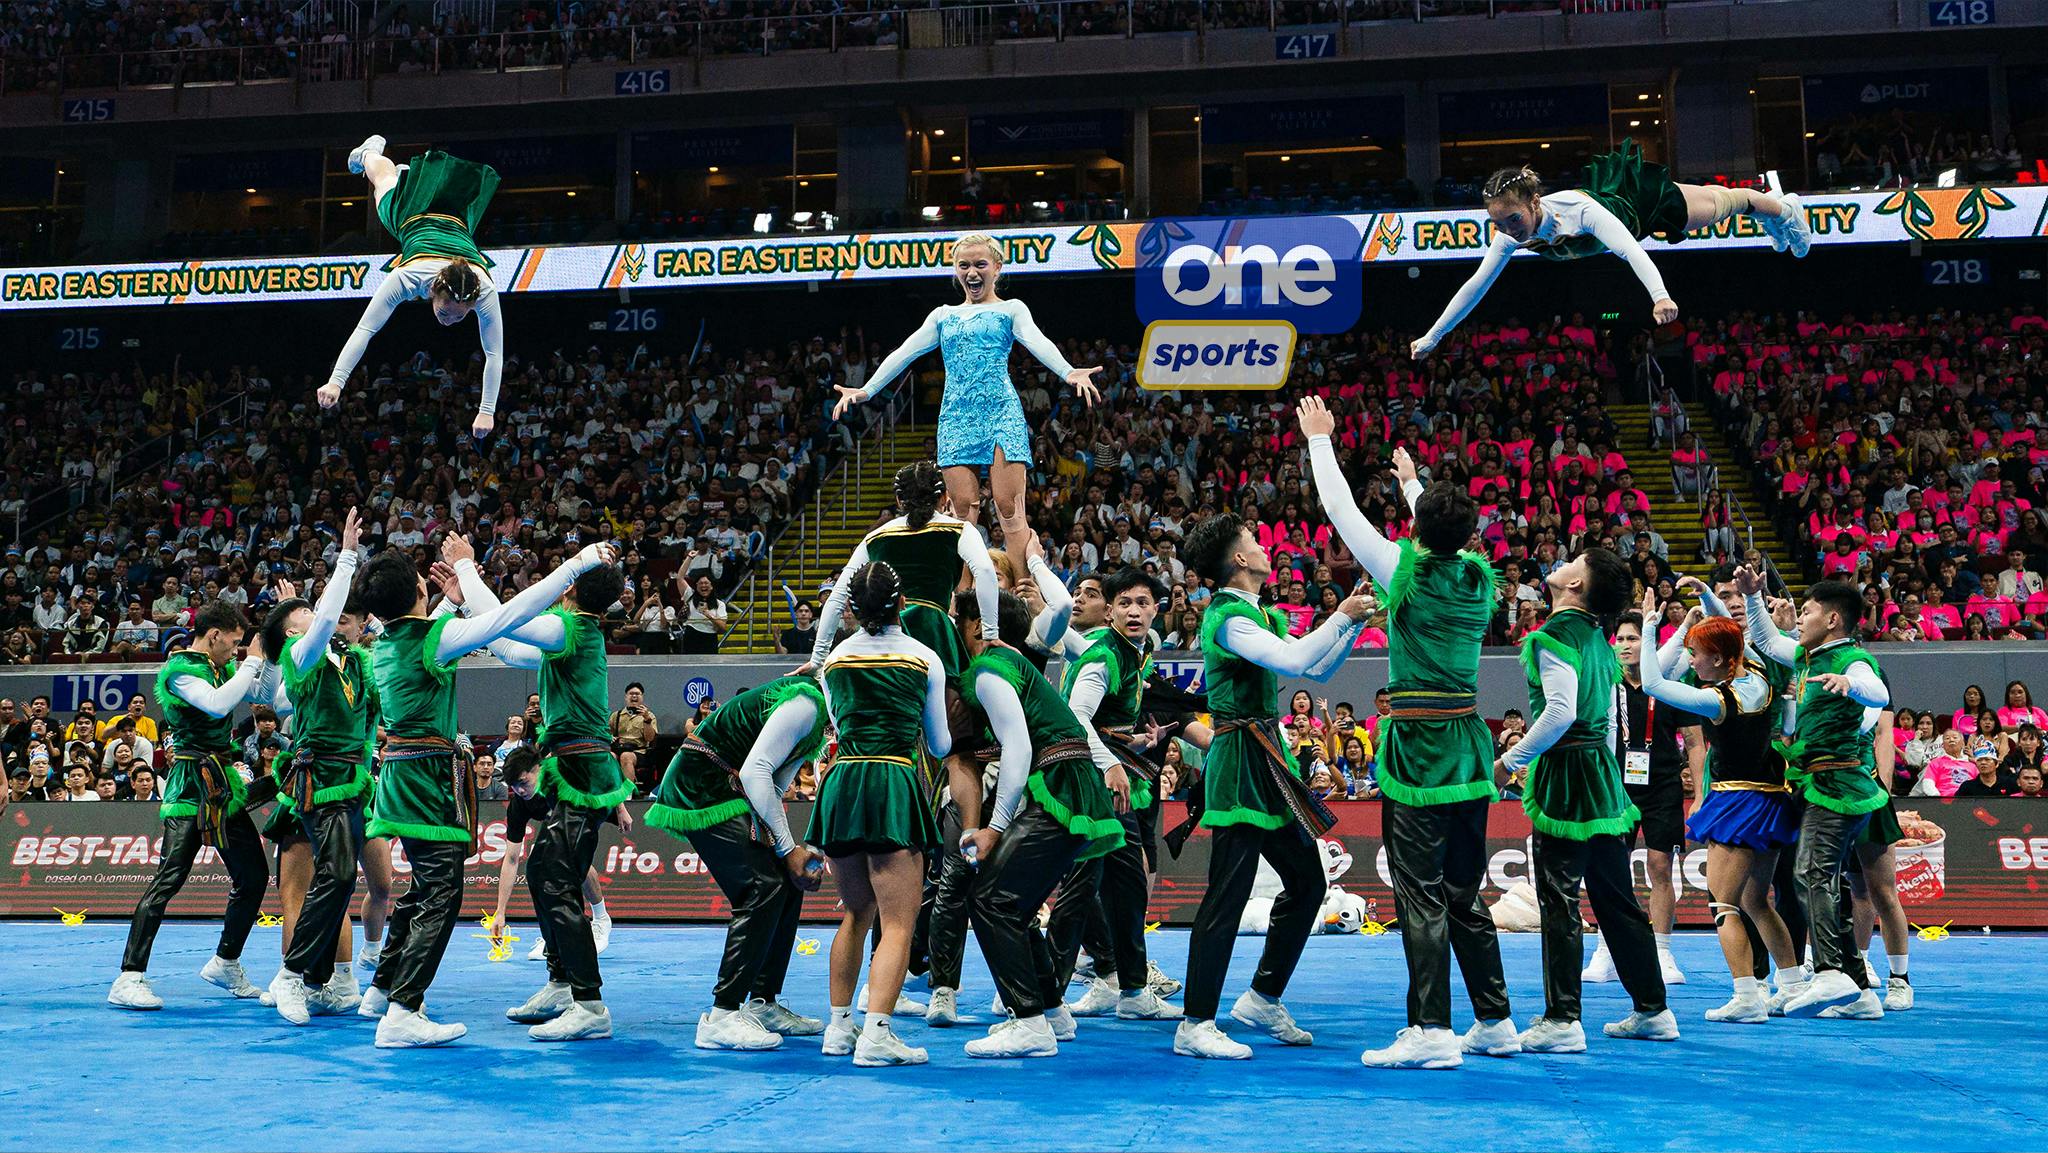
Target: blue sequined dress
point(980, 411)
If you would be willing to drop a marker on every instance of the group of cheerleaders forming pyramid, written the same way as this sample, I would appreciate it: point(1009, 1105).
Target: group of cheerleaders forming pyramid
point(1049, 791)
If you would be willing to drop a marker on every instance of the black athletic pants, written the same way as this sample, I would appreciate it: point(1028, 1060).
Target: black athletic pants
point(336, 833)
point(1030, 858)
point(1827, 841)
point(566, 845)
point(423, 920)
point(248, 876)
point(1438, 857)
point(1234, 854)
point(1602, 865)
point(1101, 908)
point(943, 926)
point(766, 906)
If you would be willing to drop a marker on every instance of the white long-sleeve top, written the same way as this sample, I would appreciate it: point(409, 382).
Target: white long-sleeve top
point(478, 630)
point(1023, 330)
point(973, 552)
point(312, 644)
point(1315, 656)
point(1866, 688)
point(414, 280)
point(220, 700)
point(1378, 554)
point(1565, 214)
point(1006, 718)
point(769, 766)
point(1752, 691)
point(1090, 689)
point(1560, 709)
point(1055, 620)
point(894, 642)
point(522, 648)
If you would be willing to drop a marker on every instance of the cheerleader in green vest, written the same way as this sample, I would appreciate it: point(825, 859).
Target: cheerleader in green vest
point(1255, 804)
point(1827, 759)
point(580, 778)
point(1050, 810)
point(1436, 754)
point(885, 691)
point(1873, 882)
point(1576, 801)
point(724, 788)
point(423, 796)
point(1623, 200)
point(198, 688)
point(432, 207)
point(328, 692)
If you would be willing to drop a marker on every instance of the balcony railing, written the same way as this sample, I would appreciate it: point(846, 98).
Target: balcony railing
point(879, 27)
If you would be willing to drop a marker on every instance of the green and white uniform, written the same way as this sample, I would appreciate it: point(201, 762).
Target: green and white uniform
point(887, 697)
point(1105, 689)
point(421, 792)
point(1434, 748)
point(574, 727)
point(202, 743)
point(928, 561)
point(1053, 763)
point(702, 786)
point(1574, 786)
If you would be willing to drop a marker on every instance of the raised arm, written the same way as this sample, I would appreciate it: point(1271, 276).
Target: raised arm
point(835, 606)
point(1366, 542)
point(1764, 636)
point(308, 648)
point(785, 729)
point(464, 635)
point(1288, 657)
point(1751, 691)
point(1610, 231)
point(1560, 707)
point(391, 292)
point(917, 344)
point(1006, 717)
point(1051, 626)
point(1025, 331)
point(988, 596)
point(543, 633)
point(1469, 293)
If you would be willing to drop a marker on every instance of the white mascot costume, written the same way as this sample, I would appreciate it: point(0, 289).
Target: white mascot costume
point(1339, 907)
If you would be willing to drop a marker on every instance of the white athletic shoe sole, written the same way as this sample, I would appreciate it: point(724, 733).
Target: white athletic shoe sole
point(1416, 1048)
point(370, 144)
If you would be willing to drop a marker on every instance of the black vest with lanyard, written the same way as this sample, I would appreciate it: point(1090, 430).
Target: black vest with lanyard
point(1647, 741)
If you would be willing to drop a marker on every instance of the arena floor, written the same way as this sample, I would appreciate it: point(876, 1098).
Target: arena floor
point(1964, 1071)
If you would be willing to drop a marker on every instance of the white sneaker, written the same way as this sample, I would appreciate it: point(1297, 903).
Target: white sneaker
point(1898, 995)
point(1161, 985)
point(944, 1010)
point(401, 1028)
point(1600, 970)
point(340, 995)
point(1639, 1026)
point(368, 957)
point(737, 1029)
point(288, 993)
point(1864, 1008)
point(375, 1003)
point(1788, 989)
point(131, 991)
point(601, 932)
point(841, 1037)
point(584, 1021)
point(878, 1047)
point(1870, 980)
point(1099, 999)
point(782, 1020)
point(1828, 987)
point(1270, 1016)
point(1061, 1021)
point(1014, 1038)
point(1417, 1048)
point(230, 976)
point(1798, 237)
point(1547, 1036)
point(539, 952)
point(373, 146)
point(1750, 1009)
point(1204, 1039)
point(268, 999)
point(1145, 1005)
point(1673, 975)
point(1493, 1038)
point(906, 1005)
point(552, 1001)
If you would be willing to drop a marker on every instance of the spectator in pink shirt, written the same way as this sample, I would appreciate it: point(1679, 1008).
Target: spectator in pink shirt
point(1949, 769)
point(2020, 709)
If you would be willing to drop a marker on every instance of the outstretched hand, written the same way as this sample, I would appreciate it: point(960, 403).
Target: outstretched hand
point(455, 548)
point(1748, 581)
point(1083, 380)
point(352, 531)
point(1664, 311)
point(1315, 417)
point(1404, 467)
point(442, 576)
point(1420, 348)
point(848, 397)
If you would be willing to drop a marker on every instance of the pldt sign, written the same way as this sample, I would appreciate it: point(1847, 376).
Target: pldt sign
point(1224, 299)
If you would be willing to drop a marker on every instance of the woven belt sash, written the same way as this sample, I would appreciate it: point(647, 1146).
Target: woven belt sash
point(461, 782)
point(212, 771)
point(692, 744)
point(1428, 706)
point(1312, 818)
point(1062, 751)
point(1121, 740)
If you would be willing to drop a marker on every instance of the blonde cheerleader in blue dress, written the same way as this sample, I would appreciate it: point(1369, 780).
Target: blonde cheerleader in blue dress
point(981, 419)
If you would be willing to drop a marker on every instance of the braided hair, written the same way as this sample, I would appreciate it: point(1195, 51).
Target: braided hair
point(919, 488)
point(1512, 184)
point(459, 282)
point(876, 594)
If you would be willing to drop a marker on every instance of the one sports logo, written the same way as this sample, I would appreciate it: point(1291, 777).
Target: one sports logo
point(1224, 299)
